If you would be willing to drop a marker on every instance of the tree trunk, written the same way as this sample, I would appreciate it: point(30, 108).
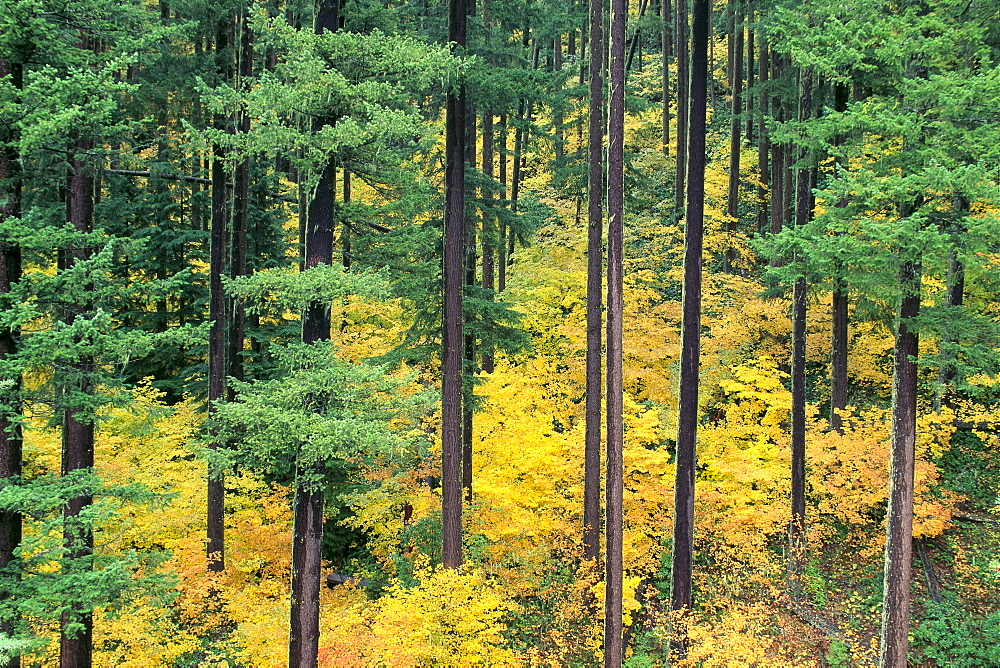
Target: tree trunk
point(345, 228)
point(502, 233)
point(956, 297)
point(615, 429)
point(667, 39)
point(10, 397)
point(453, 335)
point(595, 262)
point(489, 227)
point(763, 110)
point(215, 548)
point(687, 407)
point(76, 648)
point(636, 38)
point(893, 639)
point(803, 213)
point(683, 84)
point(557, 114)
point(241, 209)
point(750, 106)
point(839, 343)
point(307, 530)
point(470, 280)
point(735, 144)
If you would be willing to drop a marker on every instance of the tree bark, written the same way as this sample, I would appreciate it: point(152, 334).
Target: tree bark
point(307, 529)
point(10, 397)
point(763, 144)
point(615, 429)
point(683, 84)
point(735, 130)
point(453, 335)
point(76, 648)
point(595, 262)
point(215, 548)
point(839, 342)
point(502, 233)
point(893, 639)
point(241, 209)
point(489, 228)
point(803, 213)
point(470, 280)
point(687, 408)
point(667, 40)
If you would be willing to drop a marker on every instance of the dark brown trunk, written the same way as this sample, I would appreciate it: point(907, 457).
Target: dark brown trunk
point(636, 39)
point(307, 530)
point(557, 114)
point(595, 262)
point(489, 228)
point(683, 85)
point(893, 639)
point(803, 213)
point(687, 408)
point(453, 335)
point(750, 106)
point(10, 397)
point(667, 39)
point(307, 537)
point(735, 144)
point(502, 233)
point(215, 548)
point(241, 209)
point(956, 297)
point(345, 228)
point(76, 647)
point(615, 430)
point(839, 342)
point(763, 145)
point(470, 280)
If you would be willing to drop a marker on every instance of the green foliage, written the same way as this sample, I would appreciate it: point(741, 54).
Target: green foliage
point(47, 579)
point(320, 410)
point(954, 636)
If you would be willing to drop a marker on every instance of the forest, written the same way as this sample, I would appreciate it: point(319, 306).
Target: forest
point(559, 333)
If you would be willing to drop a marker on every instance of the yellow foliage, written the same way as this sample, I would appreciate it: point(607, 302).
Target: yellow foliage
point(451, 618)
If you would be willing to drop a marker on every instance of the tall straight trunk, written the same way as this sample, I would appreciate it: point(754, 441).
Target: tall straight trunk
point(595, 262)
point(956, 297)
point(557, 113)
point(763, 144)
point(345, 228)
point(839, 335)
point(76, 647)
point(636, 39)
point(502, 233)
point(10, 397)
point(687, 406)
point(307, 528)
point(215, 548)
point(947, 371)
point(489, 227)
point(750, 102)
point(735, 129)
point(615, 430)
point(453, 334)
point(470, 280)
point(803, 213)
point(788, 186)
point(241, 208)
point(893, 639)
point(667, 40)
point(711, 59)
point(683, 85)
